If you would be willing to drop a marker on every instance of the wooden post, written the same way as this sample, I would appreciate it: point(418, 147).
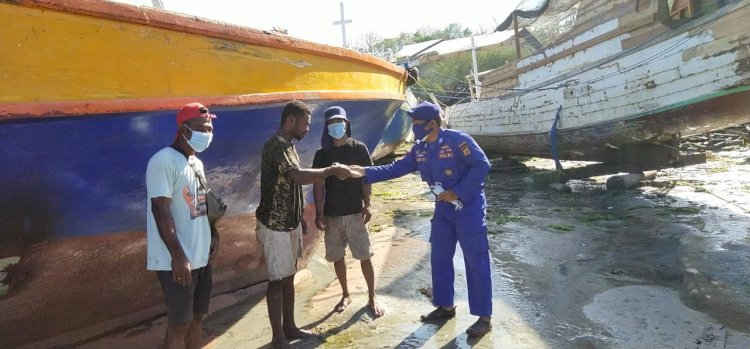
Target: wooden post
point(518, 43)
point(629, 180)
point(561, 187)
point(477, 87)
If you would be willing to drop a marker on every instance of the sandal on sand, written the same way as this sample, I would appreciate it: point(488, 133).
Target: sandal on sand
point(479, 328)
point(439, 313)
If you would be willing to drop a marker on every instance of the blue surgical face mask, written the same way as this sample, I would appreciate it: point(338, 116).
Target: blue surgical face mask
point(337, 130)
point(420, 131)
point(199, 141)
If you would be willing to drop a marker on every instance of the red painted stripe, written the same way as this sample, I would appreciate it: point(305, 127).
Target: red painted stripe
point(190, 24)
point(77, 108)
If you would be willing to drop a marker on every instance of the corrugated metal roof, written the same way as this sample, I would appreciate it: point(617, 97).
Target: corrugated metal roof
point(455, 45)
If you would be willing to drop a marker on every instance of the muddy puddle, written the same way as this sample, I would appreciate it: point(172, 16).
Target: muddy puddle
point(665, 265)
point(661, 266)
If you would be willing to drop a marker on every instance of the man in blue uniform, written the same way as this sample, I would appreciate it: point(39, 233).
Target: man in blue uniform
point(454, 167)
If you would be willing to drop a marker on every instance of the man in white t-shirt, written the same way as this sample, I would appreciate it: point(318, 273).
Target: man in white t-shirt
point(181, 242)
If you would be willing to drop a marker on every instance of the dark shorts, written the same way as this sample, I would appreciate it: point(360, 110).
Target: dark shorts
point(184, 301)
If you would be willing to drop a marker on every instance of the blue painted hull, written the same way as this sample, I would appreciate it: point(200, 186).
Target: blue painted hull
point(72, 199)
point(85, 176)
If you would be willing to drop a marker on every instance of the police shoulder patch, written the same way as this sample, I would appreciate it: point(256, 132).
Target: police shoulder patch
point(464, 146)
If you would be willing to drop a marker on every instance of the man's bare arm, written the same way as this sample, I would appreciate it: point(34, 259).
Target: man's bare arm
point(305, 176)
point(366, 192)
point(168, 233)
point(318, 195)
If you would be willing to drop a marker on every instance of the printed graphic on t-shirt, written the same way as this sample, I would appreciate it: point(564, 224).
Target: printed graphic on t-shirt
point(196, 203)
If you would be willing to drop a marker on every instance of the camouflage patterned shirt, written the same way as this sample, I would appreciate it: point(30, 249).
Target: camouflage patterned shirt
point(281, 202)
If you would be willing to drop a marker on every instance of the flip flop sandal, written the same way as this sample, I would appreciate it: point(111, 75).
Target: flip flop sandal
point(439, 313)
point(479, 328)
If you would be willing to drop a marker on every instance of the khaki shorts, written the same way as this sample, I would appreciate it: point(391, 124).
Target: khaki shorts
point(281, 249)
point(343, 230)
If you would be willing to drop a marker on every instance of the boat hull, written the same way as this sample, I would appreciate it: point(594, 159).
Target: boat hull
point(89, 92)
point(74, 211)
point(627, 89)
point(609, 141)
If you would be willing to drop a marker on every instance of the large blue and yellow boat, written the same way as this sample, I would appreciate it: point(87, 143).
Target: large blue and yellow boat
point(88, 92)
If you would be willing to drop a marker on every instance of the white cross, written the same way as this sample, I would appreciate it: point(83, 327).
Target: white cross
point(343, 22)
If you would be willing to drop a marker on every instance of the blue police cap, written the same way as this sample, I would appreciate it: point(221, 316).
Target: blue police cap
point(425, 111)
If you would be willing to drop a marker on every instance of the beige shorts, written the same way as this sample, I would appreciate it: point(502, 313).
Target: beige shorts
point(281, 249)
point(347, 230)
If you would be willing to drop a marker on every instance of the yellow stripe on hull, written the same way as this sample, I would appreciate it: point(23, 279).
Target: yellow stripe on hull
point(55, 56)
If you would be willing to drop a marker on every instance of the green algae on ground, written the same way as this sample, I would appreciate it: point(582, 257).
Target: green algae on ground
point(679, 210)
point(561, 227)
point(720, 169)
point(335, 336)
point(591, 217)
point(376, 228)
point(494, 231)
point(503, 218)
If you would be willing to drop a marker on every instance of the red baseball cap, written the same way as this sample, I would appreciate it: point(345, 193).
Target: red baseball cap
point(191, 111)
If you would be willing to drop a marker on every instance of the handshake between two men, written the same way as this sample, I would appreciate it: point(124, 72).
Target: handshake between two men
point(343, 172)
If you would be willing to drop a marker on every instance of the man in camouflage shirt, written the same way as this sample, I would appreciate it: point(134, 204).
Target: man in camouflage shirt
point(280, 225)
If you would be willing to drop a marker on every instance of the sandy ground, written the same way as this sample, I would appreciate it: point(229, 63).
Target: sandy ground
point(665, 265)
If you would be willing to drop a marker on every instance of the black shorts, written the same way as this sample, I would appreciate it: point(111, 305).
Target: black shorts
point(184, 301)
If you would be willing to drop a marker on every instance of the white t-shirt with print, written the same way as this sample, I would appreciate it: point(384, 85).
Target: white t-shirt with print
point(169, 175)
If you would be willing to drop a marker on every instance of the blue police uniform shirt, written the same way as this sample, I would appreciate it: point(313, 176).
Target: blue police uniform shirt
point(454, 159)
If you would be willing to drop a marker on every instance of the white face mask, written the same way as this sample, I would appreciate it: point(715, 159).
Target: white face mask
point(199, 141)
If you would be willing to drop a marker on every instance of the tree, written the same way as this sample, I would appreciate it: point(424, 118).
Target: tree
point(446, 78)
point(369, 42)
point(453, 31)
point(398, 42)
point(424, 34)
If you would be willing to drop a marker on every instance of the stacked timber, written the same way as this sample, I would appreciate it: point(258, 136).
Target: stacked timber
point(722, 139)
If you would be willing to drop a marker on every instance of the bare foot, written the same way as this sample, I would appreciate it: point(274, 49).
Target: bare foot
point(376, 308)
point(281, 344)
point(298, 333)
point(343, 303)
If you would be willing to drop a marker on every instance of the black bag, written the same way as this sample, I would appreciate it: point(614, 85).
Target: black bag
point(215, 207)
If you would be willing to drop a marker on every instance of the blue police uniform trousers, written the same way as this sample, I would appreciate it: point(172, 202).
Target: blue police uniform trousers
point(468, 228)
